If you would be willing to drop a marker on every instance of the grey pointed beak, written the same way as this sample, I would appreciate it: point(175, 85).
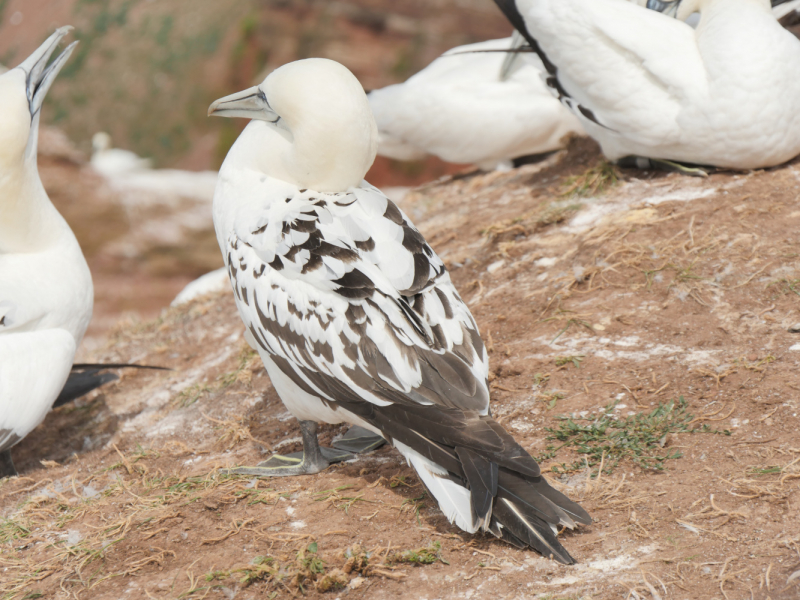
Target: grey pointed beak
point(40, 76)
point(249, 104)
point(667, 7)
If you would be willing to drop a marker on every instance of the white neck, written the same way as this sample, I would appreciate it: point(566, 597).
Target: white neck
point(28, 220)
point(323, 159)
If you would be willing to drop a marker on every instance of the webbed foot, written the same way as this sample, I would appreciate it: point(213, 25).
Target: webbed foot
point(359, 440)
point(312, 459)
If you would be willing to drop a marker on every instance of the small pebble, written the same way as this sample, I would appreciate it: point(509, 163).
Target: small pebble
point(795, 328)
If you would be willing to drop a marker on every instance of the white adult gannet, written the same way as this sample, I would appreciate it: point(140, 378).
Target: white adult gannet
point(112, 162)
point(355, 316)
point(726, 94)
point(45, 285)
point(464, 109)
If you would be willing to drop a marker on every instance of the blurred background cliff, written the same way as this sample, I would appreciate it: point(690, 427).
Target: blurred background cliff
point(145, 72)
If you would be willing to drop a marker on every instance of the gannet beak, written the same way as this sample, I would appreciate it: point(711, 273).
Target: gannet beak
point(667, 7)
point(38, 75)
point(250, 104)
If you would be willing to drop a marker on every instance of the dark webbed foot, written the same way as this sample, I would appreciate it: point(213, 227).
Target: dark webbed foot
point(313, 459)
point(359, 440)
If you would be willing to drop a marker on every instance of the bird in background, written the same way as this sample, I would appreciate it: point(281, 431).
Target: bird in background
point(650, 87)
point(353, 313)
point(45, 286)
point(472, 105)
point(780, 8)
point(112, 162)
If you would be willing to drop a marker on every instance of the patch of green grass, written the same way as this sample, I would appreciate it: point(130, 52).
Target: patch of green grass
point(242, 372)
point(772, 470)
point(786, 286)
point(415, 504)
point(421, 556)
point(262, 567)
point(191, 394)
point(310, 560)
point(565, 360)
point(556, 213)
point(611, 439)
point(593, 181)
point(570, 323)
point(550, 398)
point(11, 530)
point(540, 378)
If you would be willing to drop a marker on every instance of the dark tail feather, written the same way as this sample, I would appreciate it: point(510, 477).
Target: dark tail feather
point(98, 367)
point(86, 377)
point(533, 531)
point(81, 383)
point(528, 497)
point(573, 509)
point(481, 476)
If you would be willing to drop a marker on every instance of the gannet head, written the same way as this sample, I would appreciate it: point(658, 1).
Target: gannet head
point(22, 91)
point(312, 125)
point(101, 142)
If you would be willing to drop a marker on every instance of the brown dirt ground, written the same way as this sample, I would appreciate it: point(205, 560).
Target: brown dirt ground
point(642, 292)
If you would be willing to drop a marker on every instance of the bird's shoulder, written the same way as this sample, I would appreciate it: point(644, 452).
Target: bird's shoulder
point(351, 243)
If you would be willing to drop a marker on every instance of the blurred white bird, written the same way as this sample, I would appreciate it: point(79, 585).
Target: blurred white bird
point(464, 108)
point(111, 162)
point(213, 281)
point(139, 183)
point(355, 316)
point(726, 94)
point(45, 286)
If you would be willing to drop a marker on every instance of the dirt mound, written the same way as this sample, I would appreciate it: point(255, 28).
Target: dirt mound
point(639, 326)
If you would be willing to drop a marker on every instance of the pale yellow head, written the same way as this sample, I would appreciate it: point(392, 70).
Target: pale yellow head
point(15, 119)
point(27, 219)
point(312, 126)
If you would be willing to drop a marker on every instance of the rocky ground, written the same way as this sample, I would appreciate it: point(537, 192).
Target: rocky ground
point(642, 330)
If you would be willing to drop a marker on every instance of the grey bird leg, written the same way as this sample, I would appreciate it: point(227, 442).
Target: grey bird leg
point(312, 461)
point(7, 468)
point(675, 167)
point(644, 164)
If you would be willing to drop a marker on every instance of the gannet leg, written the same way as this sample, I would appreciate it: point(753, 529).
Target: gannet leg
point(7, 468)
point(312, 460)
point(674, 167)
point(643, 164)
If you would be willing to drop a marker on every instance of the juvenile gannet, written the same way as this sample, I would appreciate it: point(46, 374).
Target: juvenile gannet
point(464, 108)
point(45, 284)
point(726, 94)
point(355, 316)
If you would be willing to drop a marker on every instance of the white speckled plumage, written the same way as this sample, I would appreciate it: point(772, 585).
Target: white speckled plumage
point(726, 94)
point(45, 286)
point(353, 314)
point(460, 109)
